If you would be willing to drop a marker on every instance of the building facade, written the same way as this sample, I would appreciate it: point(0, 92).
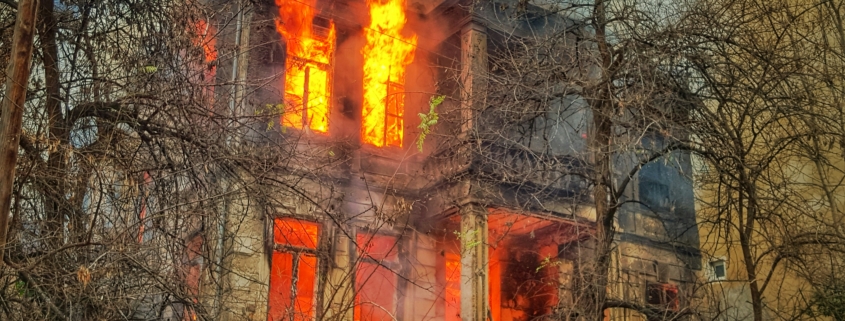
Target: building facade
point(397, 217)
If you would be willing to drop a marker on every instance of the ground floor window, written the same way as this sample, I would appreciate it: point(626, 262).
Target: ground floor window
point(293, 271)
point(376, 278)
point(525, 273)
point(452, 286)
point(662, 295)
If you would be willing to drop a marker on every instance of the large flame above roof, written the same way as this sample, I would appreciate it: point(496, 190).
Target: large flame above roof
point(307, 72)
point(386, 54)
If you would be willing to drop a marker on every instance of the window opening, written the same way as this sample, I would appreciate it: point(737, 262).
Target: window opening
point(452, 292)
point(718, 269)
point(394, 110)
point(524, 274)
point(662, 295)
point(293, 270)
point(310, 45)
point(306, 94)
point(386, 53)
point(376, 280)
point(191, 273)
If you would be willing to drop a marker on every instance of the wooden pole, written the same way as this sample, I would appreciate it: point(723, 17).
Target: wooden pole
point(11, 109)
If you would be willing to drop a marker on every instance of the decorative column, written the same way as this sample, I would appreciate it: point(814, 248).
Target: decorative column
point(475, 294)
point(338, 290)
point(473, 72)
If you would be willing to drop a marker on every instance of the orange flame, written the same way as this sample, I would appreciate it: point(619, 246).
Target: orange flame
point(307, 76)
point(206, 40)
point(386, 55)
point(453, 287)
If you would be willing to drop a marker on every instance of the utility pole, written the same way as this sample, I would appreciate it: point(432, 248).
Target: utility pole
point(11, 109)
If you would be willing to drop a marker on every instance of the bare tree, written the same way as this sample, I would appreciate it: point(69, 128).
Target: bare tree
point(582, 99)
point(133, 164)
point(145, 154)
point(770, 197)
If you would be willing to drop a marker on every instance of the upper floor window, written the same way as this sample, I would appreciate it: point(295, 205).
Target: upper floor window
point(310, 45)
point(293, 271)
point(386, 53)
point(718, 270)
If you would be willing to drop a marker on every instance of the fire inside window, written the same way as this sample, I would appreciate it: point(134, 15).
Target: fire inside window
point(394, 110)
point(310, 45)
point(376, 281)
point(662, 295)
point(293, 271)
point(306, 95)
point(387, 53)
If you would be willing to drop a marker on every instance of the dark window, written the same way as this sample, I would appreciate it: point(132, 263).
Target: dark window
point(662, 295)
point(719, 270)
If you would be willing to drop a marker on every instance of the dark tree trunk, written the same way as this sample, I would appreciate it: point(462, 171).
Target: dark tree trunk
point(11, 114)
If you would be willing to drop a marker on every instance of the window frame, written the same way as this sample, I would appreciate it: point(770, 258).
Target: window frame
point(321, 27)
point(297, 252)
point(394, 113)
point(301, 103)
point(714, 277)
point(667, 302)
point(393, 266)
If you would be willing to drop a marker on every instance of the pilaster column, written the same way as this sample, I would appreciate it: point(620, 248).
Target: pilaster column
point(473, 72)
point(475, 296)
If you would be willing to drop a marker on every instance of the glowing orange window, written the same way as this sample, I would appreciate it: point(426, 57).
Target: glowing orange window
point(662, 295)
point(452, 291)
point(192, 262)
point(293, 270)
point(310, 47)
point(386, 53)
point(376, 282)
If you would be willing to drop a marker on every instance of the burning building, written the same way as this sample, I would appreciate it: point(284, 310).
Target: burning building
point(480, 219)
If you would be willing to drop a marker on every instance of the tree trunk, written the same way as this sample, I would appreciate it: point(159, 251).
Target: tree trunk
point(56, 204)
point(604, 213)
point(746, 236)
point(11, 114)
point(600, 140)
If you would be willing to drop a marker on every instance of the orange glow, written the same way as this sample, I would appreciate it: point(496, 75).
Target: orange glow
point(292, 298)
point(282, 287)
point(453, 287)
point(376, 284)
point(296, 233)
point(307, 73)
point(377, 247)
point(494, 261)
point(524, 276)
point(207, 41)
point(386, 54)
point(376, 299)
point(192, 274)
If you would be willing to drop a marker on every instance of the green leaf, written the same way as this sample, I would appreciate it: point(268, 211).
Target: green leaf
point(429, 120)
